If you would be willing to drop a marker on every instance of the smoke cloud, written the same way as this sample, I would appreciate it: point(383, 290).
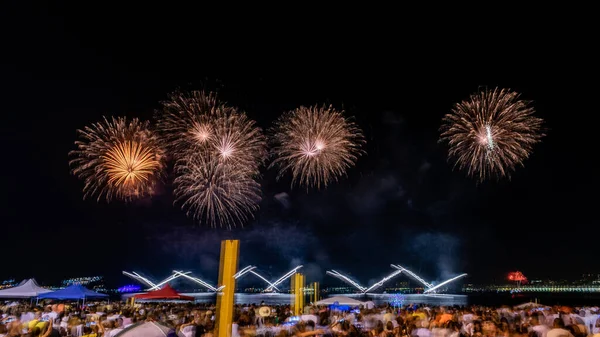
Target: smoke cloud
point(438, 249)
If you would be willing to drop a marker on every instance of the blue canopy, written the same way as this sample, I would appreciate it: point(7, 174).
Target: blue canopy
point(74, 292)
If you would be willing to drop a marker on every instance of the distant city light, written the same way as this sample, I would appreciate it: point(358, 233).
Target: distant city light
point(81, 280)
point(130, 288)
point(8, 284)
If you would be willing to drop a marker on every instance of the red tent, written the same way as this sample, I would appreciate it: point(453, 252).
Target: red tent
point(166, 293)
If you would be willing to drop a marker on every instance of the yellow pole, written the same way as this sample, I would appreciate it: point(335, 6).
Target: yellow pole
point(302, 295)
point(228, 267)
point(297, 304)
point(294, 292)
point(298, 291)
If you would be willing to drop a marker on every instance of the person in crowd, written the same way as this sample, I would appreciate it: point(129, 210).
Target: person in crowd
point(558, 329)
point(539, 329)
point(3, 330)
point(14, 327)
point(89, 332)
point(197, 320)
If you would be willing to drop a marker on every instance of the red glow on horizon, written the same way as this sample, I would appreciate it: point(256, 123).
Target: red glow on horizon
point(517, 276)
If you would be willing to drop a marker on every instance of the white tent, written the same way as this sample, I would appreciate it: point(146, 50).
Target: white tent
point(147, 329)
point(26, 289)
point(341, 300)
point(307, 318)
point(529, 305)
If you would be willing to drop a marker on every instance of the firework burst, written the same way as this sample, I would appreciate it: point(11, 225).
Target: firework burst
point(238, 141)
point(198, 122)
point(215, 191)
point(185, 121)
point(118, 159)
point(491, 133)
point(317, 144)
point(218, 152)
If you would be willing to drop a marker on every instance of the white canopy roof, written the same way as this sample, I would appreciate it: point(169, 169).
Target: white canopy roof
point(27, 288)
point(528, 305)
point(342, 300)
point(147, 329)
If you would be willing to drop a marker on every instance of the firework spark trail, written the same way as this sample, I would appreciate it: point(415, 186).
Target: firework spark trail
point(216, 192)
point(317, 144)
point(490, 139)
point(491, 133)
point(118, 159)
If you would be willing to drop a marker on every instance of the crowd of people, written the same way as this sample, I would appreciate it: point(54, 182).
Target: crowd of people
point(193, 320)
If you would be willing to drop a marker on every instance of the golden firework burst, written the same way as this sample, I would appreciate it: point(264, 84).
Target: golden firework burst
point(317, 144)
point(491, 133)
point(119, 159)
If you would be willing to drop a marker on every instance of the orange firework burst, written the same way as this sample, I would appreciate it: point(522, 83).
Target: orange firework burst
point(118, 159)
point(196, 121)
point(491, 133)
point(129, 163)
point(317, 144)
point(215, 191)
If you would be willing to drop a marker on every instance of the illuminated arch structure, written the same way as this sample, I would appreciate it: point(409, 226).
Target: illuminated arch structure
point(176, 274)
point(271, 286)
point(429, 288)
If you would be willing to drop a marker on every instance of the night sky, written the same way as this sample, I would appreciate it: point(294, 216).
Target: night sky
point(403, 203)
